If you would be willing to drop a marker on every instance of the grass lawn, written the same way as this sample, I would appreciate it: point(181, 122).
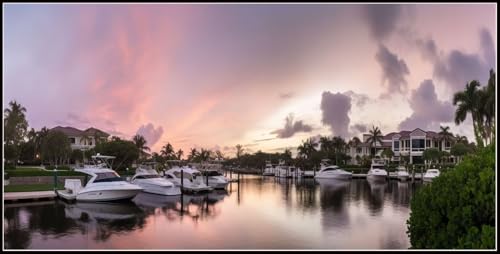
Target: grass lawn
point(26, 169)
point(31, 187)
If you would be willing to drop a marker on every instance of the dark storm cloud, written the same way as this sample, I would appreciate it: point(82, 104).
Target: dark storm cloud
point(291, 128)
point(428, 110)
point(361, 128)
point(359, 99)
point(394, 70)
point(335, 112)
point(382, 19)
point(457, 67)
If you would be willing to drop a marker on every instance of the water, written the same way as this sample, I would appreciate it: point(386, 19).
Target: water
point(266, 213)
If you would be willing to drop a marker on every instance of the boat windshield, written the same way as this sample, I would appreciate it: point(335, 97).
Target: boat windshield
point(147, 176)
point(378, 167)
point(107, 177)
point(211, 173)
point(330, 169)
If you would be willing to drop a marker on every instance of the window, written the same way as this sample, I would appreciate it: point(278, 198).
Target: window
point(211, 173)
point(170, 177)
point(417, 144)
point(436, 144)
point(427, 143)
point(90, 142)
point(396, 145)
point(448, 144)
point(107, 177)
point(72, 140)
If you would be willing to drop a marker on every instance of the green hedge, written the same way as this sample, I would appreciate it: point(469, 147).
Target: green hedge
point(58, 168)
point(31, 187)
point(457, 210)
point(24, 173)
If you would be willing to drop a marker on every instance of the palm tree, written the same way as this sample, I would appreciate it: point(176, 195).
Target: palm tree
point(375, 136)
point(445, 135)
point(468, 102)
point(488, 108)
point(140, 143)
point(239, 151)
point(15, 123)
point(219, 155)
point(193, 154)
point(179, 154)
point(461, 139)
point(168, 151)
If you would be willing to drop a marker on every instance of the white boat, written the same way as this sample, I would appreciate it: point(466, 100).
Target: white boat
point(294, 172)
point(328, 171)
point(281, 170)
point(192, 182)
point(308, 173)
point(268, 170)
point(430, 174)
point(216, 179)
point(148, 178)
point(402, 174)
point(104, 184)
point(377, 171)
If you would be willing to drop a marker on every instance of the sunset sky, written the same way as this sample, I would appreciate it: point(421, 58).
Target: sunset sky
point(217, 75)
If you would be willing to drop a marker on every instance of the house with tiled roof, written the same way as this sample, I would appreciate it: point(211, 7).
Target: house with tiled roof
point(403, 143)
point(82, 139)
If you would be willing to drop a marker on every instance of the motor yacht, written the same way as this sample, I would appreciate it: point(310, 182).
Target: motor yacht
point(430, 174)
point(216, 179)
point(189, 179)
point(402, 173)
point(148, 178)
point(332, 171)
point(268, 170)
point(294, 172)
point(281, 170)
point(377, 170)
point(104, 184)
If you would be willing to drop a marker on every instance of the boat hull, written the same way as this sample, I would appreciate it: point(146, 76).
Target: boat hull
point(334, 176)
point(107, 195)
point(373, 177)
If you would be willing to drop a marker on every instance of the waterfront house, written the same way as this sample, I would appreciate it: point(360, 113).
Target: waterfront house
point(82, 140)
point(403, 143)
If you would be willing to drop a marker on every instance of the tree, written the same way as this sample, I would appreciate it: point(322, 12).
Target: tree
point(77, 155)
point(468, 103)
point(431, 154)
point(179, 154)
point(459, 149)
point(457, 210)
point(387, 153)
point(15, 128)
point(239, 151)
point(219, 155)
point(193, 155)
point(56, 148)
point(375, 136)
point(445, 135)
point(140, 143)
point(168, 152)
point(125, 151)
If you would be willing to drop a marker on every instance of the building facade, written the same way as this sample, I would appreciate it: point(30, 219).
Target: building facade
point(82, 140)
point(409, 144)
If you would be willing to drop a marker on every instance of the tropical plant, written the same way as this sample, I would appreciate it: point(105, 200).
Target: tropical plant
point(179, 154)
point(125, 151)
point(459, 149)
point(239, 150)
point(375, 136)
point(431, 154)
point(445, 135)
point(56, 148)
point(387, 153)
point(193, 154)
point(468, 102)
point(457, 210)
point(167, 151)
point(15, 128)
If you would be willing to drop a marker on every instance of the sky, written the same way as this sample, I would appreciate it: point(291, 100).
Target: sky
point(265, 76)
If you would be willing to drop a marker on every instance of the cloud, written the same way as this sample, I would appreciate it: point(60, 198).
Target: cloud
point(361, 128)
point(286, 95)
point(291, 128)
point(457, 67)
point(394, 70)
point(428, 110)
point(150, 133)
point(265, 139)
point(359, 99)
point(335, 112)
point(382, 19)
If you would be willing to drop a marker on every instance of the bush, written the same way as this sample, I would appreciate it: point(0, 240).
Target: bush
point(58, 168)
point(457, 210)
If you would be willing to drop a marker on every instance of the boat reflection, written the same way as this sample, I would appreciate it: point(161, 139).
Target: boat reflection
point(199, 206)
point(334, 200)
point(377, 195)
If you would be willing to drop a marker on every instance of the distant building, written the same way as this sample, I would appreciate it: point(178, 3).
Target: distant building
point(403, 143)
point(82, 140)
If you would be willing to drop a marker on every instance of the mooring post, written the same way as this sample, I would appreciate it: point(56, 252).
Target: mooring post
point(182, 181)
point(206, 175)
point(55, 178)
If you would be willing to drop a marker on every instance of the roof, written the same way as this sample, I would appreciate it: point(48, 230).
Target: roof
point(74, 132)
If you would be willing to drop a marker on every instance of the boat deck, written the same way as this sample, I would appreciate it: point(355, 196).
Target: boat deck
point(29, 195)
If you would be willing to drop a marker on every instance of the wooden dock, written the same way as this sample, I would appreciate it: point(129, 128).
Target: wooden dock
point(29, 195)
point(392, 175)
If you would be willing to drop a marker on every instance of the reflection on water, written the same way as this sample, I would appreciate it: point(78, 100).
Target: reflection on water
point(258, 213)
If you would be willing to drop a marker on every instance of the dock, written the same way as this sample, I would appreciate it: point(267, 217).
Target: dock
point(392, 175)
point(29, 195)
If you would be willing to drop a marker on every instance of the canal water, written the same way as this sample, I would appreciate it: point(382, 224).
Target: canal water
point(257, 213)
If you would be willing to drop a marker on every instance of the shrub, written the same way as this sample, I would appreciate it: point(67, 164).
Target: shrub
point(457, 210)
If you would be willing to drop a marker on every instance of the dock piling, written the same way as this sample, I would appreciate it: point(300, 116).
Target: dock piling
point(182, 181)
